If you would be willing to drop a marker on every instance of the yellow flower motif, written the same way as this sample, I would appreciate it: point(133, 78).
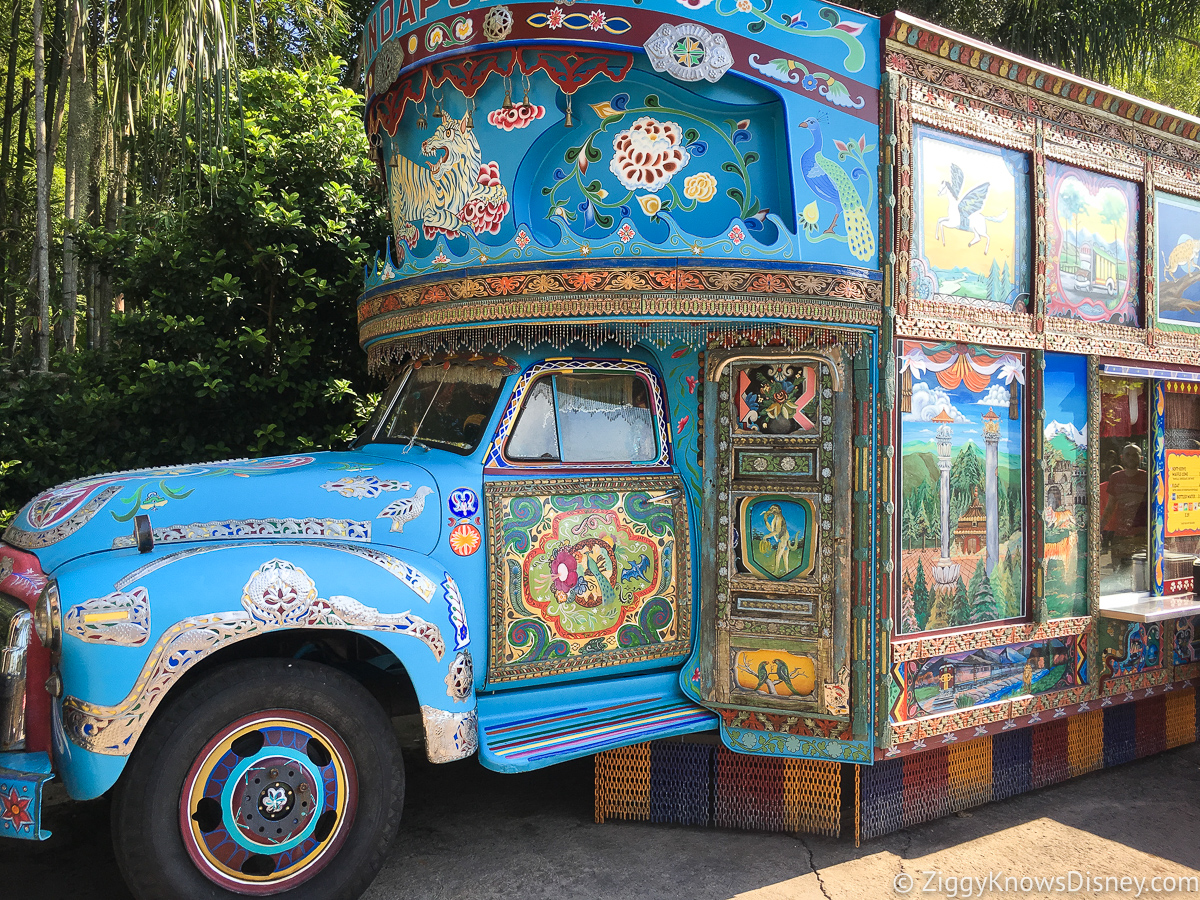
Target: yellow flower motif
point(650, 204)
point(700, 187)
point(463, 29)
point(810, 217)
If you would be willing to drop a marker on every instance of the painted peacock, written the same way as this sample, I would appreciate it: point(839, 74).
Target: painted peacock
point(830, 182)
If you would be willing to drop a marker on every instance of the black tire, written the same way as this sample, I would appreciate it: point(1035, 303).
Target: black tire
point(154, 849)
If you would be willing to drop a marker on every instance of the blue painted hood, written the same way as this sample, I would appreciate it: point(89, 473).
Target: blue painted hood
point(344, 496)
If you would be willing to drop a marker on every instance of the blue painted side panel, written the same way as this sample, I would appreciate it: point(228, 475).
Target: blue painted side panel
point(21, 778)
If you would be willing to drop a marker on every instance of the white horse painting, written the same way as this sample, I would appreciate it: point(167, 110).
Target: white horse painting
point(965, 213)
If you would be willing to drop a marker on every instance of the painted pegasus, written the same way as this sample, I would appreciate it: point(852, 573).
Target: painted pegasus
point(456, 189)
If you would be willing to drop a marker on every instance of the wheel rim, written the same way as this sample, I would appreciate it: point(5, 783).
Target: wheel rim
point(268, 802)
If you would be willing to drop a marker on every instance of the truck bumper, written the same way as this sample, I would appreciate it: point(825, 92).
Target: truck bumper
point(21, 778)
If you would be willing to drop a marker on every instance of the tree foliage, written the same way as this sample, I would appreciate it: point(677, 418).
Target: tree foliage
point(240, 336)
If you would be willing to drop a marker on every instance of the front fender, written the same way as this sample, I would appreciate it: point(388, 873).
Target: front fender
point(134, 624)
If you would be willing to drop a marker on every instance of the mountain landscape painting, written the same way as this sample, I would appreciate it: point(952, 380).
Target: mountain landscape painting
point(1092, 269)
point(943, 684)
point(1065, 456)
point(1177, 222)
point(962, 470)
point(971, 204)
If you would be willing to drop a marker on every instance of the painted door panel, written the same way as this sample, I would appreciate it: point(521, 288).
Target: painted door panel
point(587, 574)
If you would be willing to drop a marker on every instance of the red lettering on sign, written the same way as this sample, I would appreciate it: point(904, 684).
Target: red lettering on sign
point(406, 13)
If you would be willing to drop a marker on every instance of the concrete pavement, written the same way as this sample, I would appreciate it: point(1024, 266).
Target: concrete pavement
point(470, 833)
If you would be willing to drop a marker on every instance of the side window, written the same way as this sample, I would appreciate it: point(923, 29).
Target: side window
point(535, 435)
point(585, 417)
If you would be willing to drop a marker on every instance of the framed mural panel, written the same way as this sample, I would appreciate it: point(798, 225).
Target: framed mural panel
point(586, 573)
point(1093, 264)
point(1065, 455)
point(962, 486)
point(1177, 236)
point(968, 678)
point(971, 204)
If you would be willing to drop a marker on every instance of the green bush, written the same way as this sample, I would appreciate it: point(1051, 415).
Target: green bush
point(240, 337)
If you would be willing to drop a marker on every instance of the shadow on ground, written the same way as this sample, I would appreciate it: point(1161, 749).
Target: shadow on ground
point(471, 833)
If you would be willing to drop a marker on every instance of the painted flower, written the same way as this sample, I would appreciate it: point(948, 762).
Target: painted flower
point(596, 20)
point(809, 82)
point(441, 259)
point(745, 6)
point(736, 234)
point(463, 29)
point(648, 154)
point(650, 204)
point(585, 249)
point(700, 187)
point(554, 18)
point(15, 809)
point(810, 217)
point(697, 249)
point(484, 215)
point(565, 571)
point(522, 239)
point(625, 233)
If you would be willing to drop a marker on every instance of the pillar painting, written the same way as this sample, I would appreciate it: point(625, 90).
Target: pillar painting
point(962, 476)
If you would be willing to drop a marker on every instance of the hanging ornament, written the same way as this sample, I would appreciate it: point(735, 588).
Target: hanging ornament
point(567, 120)
point(422, 122)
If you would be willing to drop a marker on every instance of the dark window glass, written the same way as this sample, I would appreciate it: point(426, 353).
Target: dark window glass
point(446, 407)
point(1124, 485)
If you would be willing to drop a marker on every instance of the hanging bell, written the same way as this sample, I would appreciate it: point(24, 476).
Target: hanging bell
point(437, 109)
point(507, 104)
point(422, 124)
point(568, 122)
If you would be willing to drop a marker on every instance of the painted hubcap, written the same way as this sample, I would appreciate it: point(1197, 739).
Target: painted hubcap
point(268, 802)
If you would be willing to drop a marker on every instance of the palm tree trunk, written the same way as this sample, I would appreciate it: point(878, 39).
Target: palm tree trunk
point(18, 182)
point(9, 90)
point(74, 167)
point(42, 238)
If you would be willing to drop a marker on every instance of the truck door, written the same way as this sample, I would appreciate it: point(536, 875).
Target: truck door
point(780, 518)
point(588, 541)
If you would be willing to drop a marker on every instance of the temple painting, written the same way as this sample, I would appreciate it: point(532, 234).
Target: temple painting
point(1064, 513)
point(1177, 221)
point(1128, 648)
point(971, 201)
point(962, 471)
point(942, 684)
point(1187, 640)
point(1092, 268)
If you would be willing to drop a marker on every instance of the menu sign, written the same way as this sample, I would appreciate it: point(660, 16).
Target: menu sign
point(1183, 493)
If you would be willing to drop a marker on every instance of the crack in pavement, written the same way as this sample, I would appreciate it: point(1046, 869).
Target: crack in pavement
point(812, 865)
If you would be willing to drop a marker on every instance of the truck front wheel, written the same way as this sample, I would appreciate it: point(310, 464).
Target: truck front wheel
point(266, 777)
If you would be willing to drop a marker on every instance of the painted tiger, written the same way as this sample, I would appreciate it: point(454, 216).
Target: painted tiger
point(1185, 253)
point(456, 189)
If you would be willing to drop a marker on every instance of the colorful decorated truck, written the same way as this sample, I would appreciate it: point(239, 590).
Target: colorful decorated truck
point(798, 412)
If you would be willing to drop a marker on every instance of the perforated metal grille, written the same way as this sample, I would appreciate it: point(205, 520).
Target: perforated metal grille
point(1150, 726)
point(1049, 761)
point(1085, 742)
point(969, 774)
point(1181, 717)
point(623, 783)
point(749, 792)
point(1011, 753)
point(1120, 737)
point(812, 796)
point(882, 793)
point(681, 782)
point(926, 793)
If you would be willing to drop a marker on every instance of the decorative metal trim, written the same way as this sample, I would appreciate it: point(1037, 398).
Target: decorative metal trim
point(278, 595)
point(233, 529)
point(449, 735)
point(689, 52)
point(118, 618)
point(35, 540)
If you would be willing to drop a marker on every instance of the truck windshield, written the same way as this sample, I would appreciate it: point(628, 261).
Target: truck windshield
point(446, 406)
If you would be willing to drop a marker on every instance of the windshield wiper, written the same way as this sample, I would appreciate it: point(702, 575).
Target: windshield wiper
point(417, 430)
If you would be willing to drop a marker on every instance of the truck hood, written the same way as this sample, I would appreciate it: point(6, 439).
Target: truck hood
point(339, 496)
